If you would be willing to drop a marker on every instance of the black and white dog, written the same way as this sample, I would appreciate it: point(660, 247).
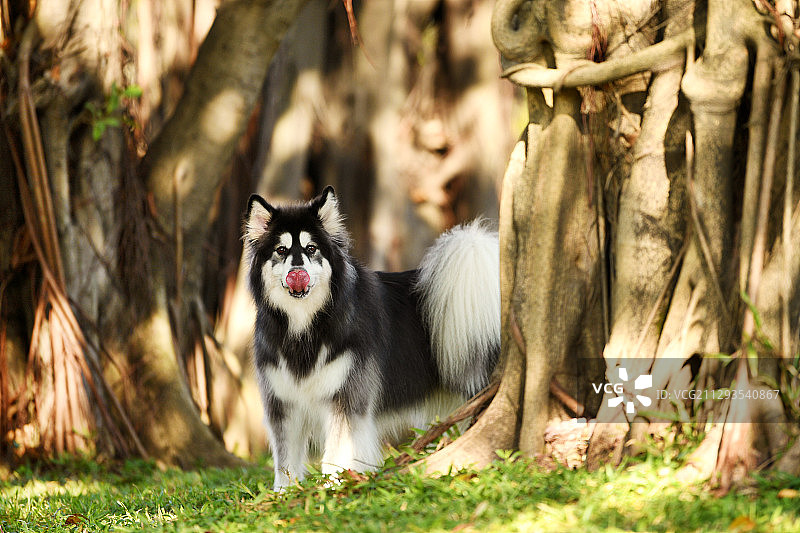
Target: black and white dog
point(348, 358)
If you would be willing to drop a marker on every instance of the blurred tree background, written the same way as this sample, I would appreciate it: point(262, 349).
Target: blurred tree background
point(133, 133)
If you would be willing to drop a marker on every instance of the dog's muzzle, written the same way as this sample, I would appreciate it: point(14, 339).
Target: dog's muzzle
point(298, 282)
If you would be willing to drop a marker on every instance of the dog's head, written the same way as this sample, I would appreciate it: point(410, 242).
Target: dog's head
point(293, 251)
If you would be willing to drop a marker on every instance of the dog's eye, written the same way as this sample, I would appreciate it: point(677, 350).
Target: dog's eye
point(281, 251)
point(310, 249)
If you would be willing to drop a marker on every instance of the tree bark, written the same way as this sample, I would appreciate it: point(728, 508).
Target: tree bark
point(674, 261)
point(184, 165)
point(134, 311)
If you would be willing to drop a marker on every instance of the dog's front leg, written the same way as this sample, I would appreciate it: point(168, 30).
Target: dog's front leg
point(288, 439)
point(351, 443)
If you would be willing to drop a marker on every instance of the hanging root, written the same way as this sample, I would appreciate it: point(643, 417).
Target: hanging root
point(472, 408)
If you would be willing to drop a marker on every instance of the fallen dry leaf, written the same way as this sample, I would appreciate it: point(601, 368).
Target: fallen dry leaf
point(742, 523)
point(75, 520)
point(354, 476)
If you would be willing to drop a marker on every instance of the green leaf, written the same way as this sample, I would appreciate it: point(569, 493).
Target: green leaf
point(132, 91)
point(98, 129)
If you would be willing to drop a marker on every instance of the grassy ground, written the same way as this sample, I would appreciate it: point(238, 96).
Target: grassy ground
point(75, 495)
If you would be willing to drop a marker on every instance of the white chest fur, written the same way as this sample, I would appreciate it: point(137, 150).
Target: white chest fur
point(324, 380)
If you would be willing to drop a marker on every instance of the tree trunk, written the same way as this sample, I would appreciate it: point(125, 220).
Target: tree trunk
point(670, 199)
point(135, 313)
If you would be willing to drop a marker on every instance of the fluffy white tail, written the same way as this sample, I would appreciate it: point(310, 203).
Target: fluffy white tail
point(459, 282)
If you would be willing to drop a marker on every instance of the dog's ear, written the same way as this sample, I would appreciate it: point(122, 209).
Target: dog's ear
point(327, 208)
point(259, 214)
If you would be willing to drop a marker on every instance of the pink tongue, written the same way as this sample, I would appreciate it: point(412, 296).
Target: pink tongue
point(298, 280)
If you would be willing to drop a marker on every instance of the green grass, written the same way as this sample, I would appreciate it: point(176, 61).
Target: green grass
point(77, 495)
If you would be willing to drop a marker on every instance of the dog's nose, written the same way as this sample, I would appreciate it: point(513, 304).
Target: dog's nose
point(298, 280)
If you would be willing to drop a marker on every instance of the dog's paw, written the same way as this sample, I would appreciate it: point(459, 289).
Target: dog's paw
point(284, 478)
